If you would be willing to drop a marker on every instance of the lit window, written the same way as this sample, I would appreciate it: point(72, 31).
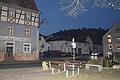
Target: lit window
point(10, 31)
point(109, 36)
point(27, 32)
point(27, 48)
point(28, 16)
point(11, 12)
point(109, 39)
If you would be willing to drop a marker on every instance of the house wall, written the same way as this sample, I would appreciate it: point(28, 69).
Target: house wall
point(19, 33)
point(43, 45)
point(19, 23)
point(65, 46)
point(114, 32)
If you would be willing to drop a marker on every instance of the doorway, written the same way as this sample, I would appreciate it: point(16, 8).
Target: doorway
point(9, 49)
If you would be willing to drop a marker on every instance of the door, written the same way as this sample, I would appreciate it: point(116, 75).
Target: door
point(9, 52)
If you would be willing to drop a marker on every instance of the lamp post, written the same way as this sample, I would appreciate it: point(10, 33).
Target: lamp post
point(73, 46)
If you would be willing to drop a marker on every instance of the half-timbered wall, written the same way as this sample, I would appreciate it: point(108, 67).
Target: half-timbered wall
point(19, 15)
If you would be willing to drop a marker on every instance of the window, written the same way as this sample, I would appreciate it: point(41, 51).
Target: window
point(118, 30)
point(11, 13)
point(28, 16)
point(118, 40)
point(110, 46)
point(109, 39)
point(10, 31)
point(27, 32)
point(85, 50)
point(42, 46)
point(66, 44)
point(27, 48)
point(118, 49)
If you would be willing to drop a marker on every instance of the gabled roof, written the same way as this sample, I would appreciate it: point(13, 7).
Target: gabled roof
point(116, 24)
point(29, 4)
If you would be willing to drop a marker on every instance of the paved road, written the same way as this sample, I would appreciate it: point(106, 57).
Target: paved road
point(9, 65)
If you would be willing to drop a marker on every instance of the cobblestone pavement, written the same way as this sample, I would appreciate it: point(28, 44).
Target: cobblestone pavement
point(23, 74)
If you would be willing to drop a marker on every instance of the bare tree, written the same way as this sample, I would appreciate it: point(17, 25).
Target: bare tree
point(72, 7)
point(77, 7)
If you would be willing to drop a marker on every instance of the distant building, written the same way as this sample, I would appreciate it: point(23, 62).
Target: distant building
point(98, 48)
point(43, 45)
point(19, 20)
point(82, 47)
point(111, 41)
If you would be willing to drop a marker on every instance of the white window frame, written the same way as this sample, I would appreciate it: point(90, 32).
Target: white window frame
point(28, 16)
point(10, 31)
point(27, 32)
point(28, 48)
point(118, 49)
point(11, 13)
point(118, 40)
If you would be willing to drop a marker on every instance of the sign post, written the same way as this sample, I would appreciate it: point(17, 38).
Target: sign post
point(73, 46)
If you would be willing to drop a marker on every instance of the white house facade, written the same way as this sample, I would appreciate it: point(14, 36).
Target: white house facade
point(43, 45)
point(66, 46)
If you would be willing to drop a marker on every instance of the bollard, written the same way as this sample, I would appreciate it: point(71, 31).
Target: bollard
point(44, 65)
point(78, 71)
point(52, 70)
point(66, 73)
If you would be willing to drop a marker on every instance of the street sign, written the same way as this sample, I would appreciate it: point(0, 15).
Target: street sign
point(73, 43)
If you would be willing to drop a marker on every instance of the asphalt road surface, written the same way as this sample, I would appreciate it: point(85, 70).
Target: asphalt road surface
point(8, 65)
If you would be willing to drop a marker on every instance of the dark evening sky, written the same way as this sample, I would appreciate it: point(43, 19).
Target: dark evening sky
point(94, 18)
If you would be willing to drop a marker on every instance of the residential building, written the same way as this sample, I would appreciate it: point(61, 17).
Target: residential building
point(82, 46)
point(19, 22)
point(111, 41)
point(43, 45)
